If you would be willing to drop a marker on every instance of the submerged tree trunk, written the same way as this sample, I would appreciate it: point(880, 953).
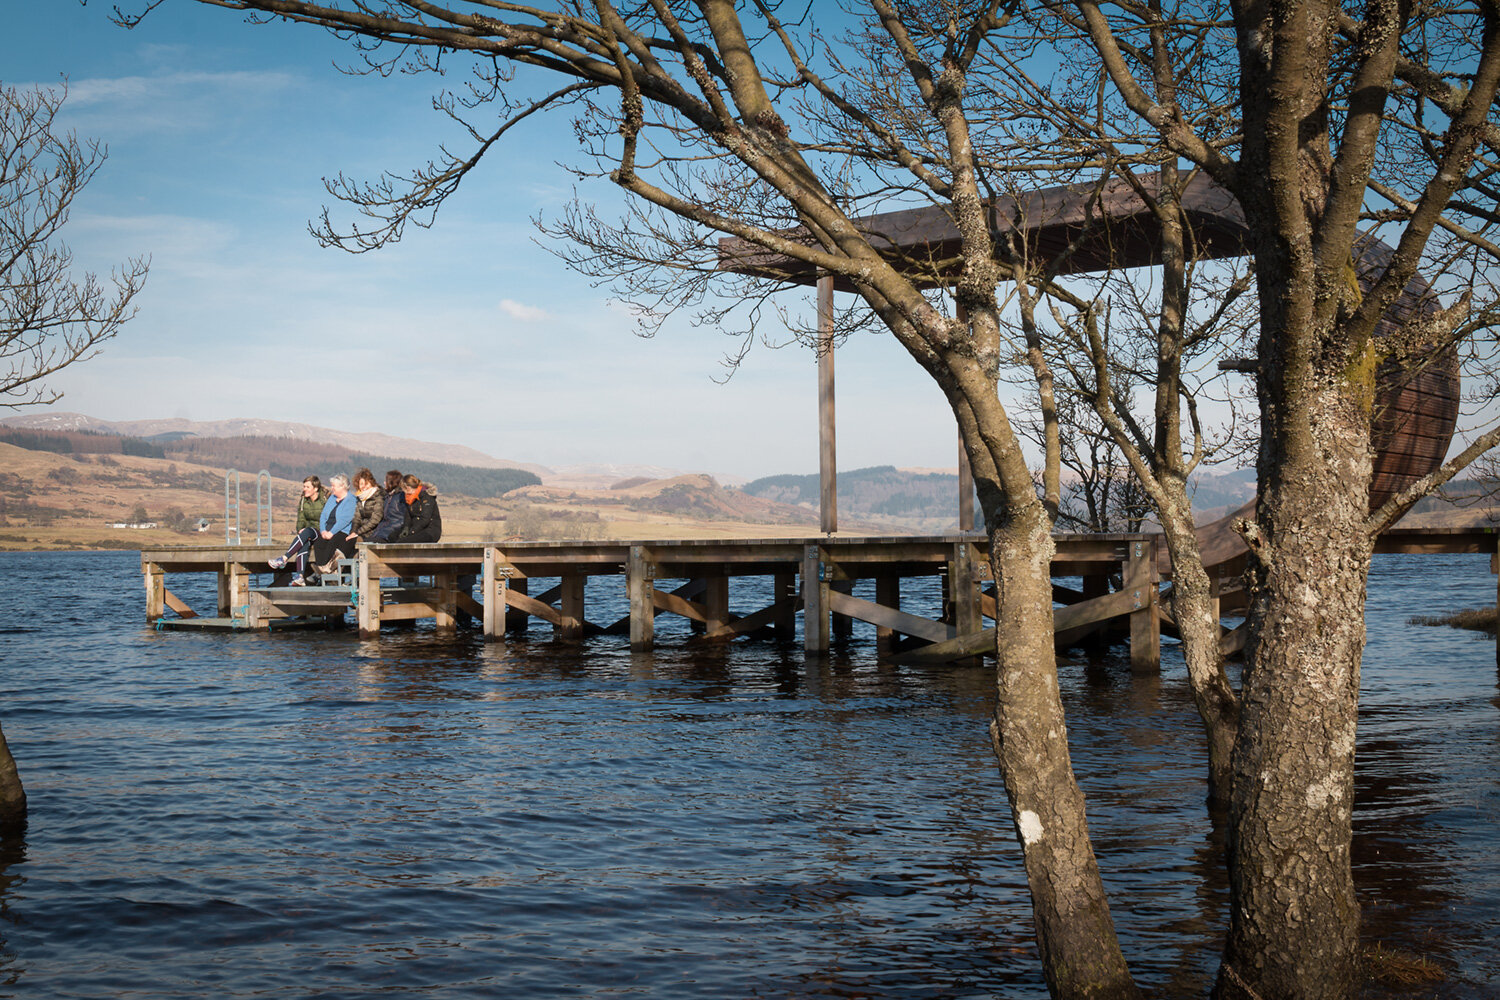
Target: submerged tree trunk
point(1080, 951)
point(1198, 624)
point(12, 795)
point(1294, 924)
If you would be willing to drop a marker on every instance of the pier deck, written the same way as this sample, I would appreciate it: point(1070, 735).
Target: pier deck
point(1122, 587)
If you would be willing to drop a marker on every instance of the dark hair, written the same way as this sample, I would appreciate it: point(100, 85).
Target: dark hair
point(317, 484)
point(392, 480)
point(364, 476)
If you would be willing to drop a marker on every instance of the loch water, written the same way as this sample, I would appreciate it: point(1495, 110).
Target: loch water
point(313, 815)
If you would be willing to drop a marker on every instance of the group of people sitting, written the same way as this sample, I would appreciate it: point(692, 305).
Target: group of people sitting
point(332, 520)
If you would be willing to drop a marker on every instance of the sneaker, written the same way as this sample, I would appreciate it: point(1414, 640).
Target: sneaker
point(278, 562)
point(298, 581)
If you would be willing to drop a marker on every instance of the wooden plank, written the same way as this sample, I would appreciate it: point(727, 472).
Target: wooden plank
point(759, 619)
point(532, 606)
point(887, 594)
point(691, 589)
point(891, 618)
point(1063, 619)
point(691, 610)
point(1233, 640)
point(784, 595)
point(467, 604)
point(715, 601)
point(409, 611)
point(177, 604)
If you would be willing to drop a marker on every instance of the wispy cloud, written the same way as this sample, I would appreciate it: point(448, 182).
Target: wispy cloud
point(521, 312)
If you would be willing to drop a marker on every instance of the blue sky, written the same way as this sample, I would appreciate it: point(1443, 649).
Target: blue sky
point(219, 135)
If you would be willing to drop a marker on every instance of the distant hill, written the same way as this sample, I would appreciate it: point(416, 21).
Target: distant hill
point(364, 443)
point(291, 459)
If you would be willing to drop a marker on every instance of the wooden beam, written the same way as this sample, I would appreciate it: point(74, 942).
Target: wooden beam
point(691, 610)
point(492, 594)
point(828, 501)
point(751, 622)
point(715, 601)
point(891, 618)
point(887, 594)
point(177, 605)
point(1063, 619)
point(690, 590)
point(784, 595)
point(532, 606)
point(570, 618)
point(155, 579)
point(367, 590)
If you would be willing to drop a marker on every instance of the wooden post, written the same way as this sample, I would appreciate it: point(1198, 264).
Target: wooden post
point(156, 591)
point(1145, 625)
point(516, 620)
point(963, 586)
point(570, 607)
point(716, 601)
point(784, 586)
point(234, 589)
point(447, 601)
point(640, 586)
point(1097, 585)
point(828, 502)
point(843, 625)
point(814, 602)
point(888, 594)
point(492, 592)
point(367, 594)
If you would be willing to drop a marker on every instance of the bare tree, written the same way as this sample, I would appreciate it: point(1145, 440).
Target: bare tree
point(724, 119)
point(49, 319)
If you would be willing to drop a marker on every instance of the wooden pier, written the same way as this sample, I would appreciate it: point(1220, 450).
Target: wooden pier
point(1125, 588)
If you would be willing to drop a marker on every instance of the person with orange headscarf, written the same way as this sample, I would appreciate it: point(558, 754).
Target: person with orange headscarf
point(424, 522)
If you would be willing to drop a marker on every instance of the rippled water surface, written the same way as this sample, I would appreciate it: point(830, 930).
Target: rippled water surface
point(310, 815)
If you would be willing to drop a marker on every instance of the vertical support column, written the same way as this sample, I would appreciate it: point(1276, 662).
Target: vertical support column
point(367, 593)
point(963, 584)
point(1145, 625)
point(516, 620)
point(888, 595)
point(783, 588)
point(716, 601)
point(1097, 585)
point(640, 586)
point(447, 604)
point(492, 592)
point(828, 503)
point(814, 601)
point(156, 591)
point(234, 589)
point(570, 607)
point(843, 625)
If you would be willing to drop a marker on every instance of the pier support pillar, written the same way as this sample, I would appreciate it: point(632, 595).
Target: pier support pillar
point(447, 600)
point(843, 625)
point(367, 594)
point(516, 620)
point(963, 587)
point(783, 588)
point(156, 591)
point(1141, 579)
point(640, 587)
point(887, 594)
point(715, 601)
point(570, 607)
point(814, 601)
point(492, 594)
point(234, 590)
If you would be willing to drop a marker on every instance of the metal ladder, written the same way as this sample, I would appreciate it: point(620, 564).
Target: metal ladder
point(232, 503)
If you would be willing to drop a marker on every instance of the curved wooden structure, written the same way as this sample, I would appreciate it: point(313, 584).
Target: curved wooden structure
point(1092, 228)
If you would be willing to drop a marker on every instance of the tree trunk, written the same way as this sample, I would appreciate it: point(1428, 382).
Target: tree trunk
point(1198, 625)
point(1294, 920)
point(1080, 952)
point(12, 795)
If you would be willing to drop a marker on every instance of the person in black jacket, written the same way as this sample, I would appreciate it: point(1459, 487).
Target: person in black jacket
point(424, 523)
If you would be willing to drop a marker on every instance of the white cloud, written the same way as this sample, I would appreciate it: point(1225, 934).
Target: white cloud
point(522, 312)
